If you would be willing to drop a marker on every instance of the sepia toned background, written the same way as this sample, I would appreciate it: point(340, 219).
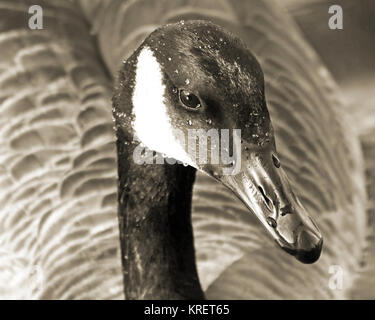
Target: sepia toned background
point(58, 223)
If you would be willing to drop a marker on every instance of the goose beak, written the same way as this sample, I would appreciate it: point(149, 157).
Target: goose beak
point(264, 188)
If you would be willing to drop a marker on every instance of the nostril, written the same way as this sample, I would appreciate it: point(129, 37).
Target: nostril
point(266, 199)
point(276, 161)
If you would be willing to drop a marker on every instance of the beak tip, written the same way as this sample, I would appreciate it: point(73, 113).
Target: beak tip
point(310, 256)
point(306, 256)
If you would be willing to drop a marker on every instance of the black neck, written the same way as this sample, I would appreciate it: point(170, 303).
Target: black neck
point(155, 228)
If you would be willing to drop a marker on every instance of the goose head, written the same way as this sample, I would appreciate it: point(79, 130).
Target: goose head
point(193, 80)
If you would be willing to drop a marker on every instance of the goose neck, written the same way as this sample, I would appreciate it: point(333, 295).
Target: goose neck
point(155, 228)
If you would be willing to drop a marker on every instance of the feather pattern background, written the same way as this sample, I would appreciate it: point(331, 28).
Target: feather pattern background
point(58, 222)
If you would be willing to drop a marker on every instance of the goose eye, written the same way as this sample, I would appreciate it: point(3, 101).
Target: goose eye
point(189, 100)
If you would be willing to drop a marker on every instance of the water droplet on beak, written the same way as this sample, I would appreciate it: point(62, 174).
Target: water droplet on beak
point(271, 222)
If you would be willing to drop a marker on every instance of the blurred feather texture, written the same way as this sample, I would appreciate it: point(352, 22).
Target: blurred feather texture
point(58, 176)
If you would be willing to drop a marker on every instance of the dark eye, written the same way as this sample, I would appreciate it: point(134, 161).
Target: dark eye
point(189, 100)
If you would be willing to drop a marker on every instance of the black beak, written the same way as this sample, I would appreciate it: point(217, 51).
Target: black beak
point(266, 191)
point(306, 255)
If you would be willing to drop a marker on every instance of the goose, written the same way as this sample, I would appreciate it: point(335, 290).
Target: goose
point(152, 99)
point(59, 234)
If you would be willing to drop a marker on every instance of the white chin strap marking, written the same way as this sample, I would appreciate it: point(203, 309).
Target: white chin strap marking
point(151, 123)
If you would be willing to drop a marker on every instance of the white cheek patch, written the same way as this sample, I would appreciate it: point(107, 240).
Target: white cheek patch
point(151, 123)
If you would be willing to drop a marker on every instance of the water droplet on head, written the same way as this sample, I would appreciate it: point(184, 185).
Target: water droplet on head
point(169, 58)
point(189, 122)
